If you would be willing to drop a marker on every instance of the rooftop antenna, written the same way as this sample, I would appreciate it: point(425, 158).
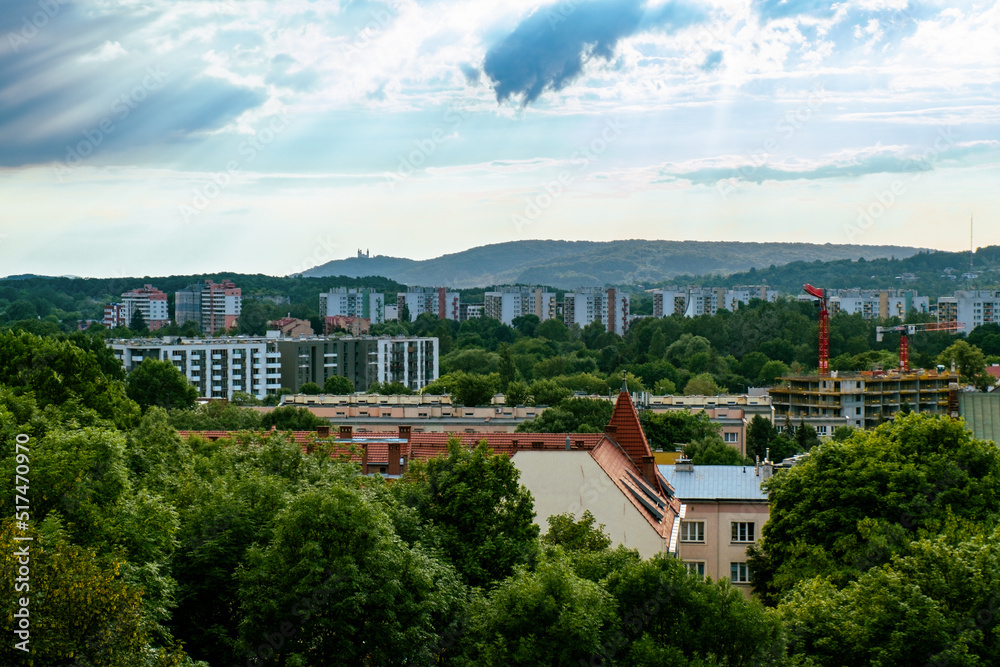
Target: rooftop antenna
point(970, 243)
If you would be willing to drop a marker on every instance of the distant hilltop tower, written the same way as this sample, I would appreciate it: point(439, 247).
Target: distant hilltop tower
point(367, 254)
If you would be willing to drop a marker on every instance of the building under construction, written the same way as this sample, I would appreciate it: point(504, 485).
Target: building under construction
point(861, 400)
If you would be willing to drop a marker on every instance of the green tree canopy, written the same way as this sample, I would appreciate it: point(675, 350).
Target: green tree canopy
point(473, 502)
point(155, 382)
point(338, 385)
point(571, 415)
point(867, 497)
point(292, 418)
point(664, 430)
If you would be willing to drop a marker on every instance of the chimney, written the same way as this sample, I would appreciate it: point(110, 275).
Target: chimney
point(684, 465)
point(364, 458)
point(569, 445)
point(953, 400)
point(395, 465)
point(767, 467)
point(513, 444)
point(346, 432)
point(611, 430)
point(756, 465)
point(648, 467)
point(404, 432)
point(323, 431)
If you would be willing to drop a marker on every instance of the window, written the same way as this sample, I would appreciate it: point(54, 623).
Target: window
point(731, 437)
point(697, 569)
point(857, 410)
point(692, 531)
point(739, 573)
point(743, 531)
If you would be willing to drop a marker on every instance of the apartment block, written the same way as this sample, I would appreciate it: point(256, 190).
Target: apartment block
point(970, 307)
point(212, 306)
point(345, 302)
point(695, 301)
point(862, 400)
point(413, 362)
point(877, 304)
point(608, 306)
point(506, 303)
point(469, 311)
point(437, 301)
point(218, 367)
point(147, 300)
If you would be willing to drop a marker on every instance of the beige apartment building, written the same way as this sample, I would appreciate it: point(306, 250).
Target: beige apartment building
point(724, 513)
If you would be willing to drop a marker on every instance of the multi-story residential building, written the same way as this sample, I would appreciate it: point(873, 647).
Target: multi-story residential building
point(212, 306)
point(437, 301)
point(971, 308)
point(218, 367)
point(469, 311)
point(505, 303)
point(862, 400)
point(114, 315)
point(608, 306)
point(147, 300)
point(725, 510)
point(695, 301)
point(876, 304)
point(353, 303)
point(260, 366)
point(413, 362)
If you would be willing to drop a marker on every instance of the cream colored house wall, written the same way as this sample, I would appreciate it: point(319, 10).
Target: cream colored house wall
point(718, 550)
point(562, 481)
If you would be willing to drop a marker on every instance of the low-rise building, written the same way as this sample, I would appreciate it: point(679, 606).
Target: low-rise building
point(290, 326)
point(724, 512)
point(356, 326)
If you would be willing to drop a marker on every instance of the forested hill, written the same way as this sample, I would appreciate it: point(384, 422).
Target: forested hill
point(929, 273)
point(571, 264)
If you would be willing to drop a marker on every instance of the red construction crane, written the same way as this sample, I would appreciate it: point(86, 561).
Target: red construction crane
point(824, 328)
point(907, 330)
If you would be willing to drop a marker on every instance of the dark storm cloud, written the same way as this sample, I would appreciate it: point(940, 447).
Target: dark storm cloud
point(548, 49)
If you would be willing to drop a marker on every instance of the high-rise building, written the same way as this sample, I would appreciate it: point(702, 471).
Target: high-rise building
point(970, 307)
point(353, 303)
point(877, 304)
point(437, 301)
point(213, 307)
point(608, 306)
point(217, 367)
point(147, 300)
point(695, 301)
point(506, 303)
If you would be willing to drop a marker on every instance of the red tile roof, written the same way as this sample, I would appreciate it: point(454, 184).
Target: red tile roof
point(627, 430)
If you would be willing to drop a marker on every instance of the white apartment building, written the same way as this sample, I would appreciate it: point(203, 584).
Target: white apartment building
point(506, 303)
point(695, 301)
point(877, 304)
point(970, 307)
point(346, 302)
point(608, 306)
point(437, 301)
point(216, 366)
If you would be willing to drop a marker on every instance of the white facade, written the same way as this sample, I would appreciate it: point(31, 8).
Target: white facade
point(970, 307)
point(437, 301)
point(695, 301)
point(877, 304)
point(149, 301)
point(610, 307)
point(353, 303)
point(508, 303)
point(217, 367)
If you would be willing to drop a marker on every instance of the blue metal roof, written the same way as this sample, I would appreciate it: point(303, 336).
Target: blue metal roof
point(715, 483)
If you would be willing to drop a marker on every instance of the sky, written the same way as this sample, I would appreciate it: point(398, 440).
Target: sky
point(159, 137)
